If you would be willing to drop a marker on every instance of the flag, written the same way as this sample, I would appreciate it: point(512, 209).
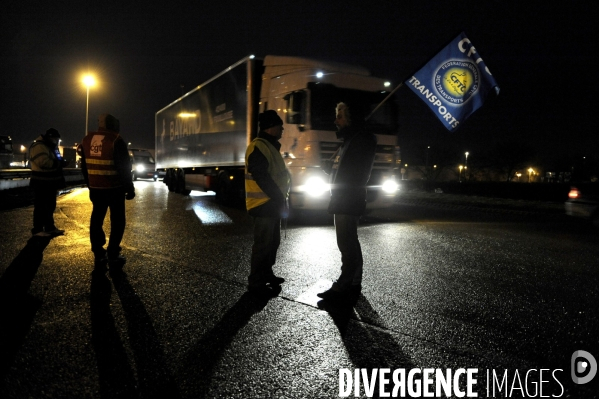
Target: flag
point(454, 83)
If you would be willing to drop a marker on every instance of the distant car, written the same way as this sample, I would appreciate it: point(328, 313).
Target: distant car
point(143, 165)
point(583, 201)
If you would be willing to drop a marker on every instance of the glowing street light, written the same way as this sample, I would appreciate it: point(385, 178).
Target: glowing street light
point(89, 81)
point(460, 178)
point(531, 171)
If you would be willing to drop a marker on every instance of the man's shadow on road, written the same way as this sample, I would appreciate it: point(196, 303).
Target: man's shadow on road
point(17, 306)
point(150, 376)
point(197, 369)
point(369, 343)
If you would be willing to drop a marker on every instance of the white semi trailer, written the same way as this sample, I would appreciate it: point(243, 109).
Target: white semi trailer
point(201, 137)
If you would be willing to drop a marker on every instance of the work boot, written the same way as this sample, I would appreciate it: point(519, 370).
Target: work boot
point(274, 280)
point(55, 232)
point(117, 261)
point(42, 234)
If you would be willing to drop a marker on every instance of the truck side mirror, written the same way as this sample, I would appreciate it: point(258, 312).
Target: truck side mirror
point(295, 108)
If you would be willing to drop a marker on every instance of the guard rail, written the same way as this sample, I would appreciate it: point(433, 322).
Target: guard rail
point(15, 178)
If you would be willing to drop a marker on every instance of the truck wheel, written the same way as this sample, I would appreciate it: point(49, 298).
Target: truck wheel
point(180, 185)
point(170, 180)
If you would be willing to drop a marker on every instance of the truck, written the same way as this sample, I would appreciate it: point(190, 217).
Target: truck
point(201, 137)
point(6, 152)
point(143, 165)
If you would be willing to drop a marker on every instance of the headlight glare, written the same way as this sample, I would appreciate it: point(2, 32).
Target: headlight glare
point(315, 186)
point(390, 186)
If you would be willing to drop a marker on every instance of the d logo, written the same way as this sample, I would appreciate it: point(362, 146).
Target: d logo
point(583, 367)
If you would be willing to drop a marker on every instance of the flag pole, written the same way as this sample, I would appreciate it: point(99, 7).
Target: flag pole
point(382, 102)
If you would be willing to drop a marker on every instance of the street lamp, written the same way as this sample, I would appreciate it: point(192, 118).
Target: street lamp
point(428, 149)
point(460, 176)
point(530, 172)
point(89, 81)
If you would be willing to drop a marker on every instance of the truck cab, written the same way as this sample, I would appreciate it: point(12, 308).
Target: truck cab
point(6, 153)
point(305, 93)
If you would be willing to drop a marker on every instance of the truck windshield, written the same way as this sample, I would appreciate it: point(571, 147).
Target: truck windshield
point(143, 159)
point(325, 97)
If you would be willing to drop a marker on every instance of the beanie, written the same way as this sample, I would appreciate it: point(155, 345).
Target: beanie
point(108, 122)
point(52, 133)
point(269, 119)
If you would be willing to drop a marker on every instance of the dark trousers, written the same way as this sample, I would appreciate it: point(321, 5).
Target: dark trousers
point(267, 237)
point(102, 200)
point(44, 204)
point(346, 229)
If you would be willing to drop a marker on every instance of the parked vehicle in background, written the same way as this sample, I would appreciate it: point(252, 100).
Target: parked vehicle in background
point(6, 154)
point(583, 201)
point(201, 137)
point(143, 164)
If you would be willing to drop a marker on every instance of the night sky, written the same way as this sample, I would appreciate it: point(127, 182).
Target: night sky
point(542, 54)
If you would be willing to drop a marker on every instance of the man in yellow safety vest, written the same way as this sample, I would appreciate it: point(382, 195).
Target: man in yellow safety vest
point(267, 189)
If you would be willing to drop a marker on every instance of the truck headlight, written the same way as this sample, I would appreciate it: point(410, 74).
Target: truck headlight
point(140, 168)
point(315, 186)
point(390, 186)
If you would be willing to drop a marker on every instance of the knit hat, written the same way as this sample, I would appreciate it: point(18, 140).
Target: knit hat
point(52, 133)
point(269, 119)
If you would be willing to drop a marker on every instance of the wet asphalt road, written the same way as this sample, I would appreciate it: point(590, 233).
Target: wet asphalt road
point(443, 288)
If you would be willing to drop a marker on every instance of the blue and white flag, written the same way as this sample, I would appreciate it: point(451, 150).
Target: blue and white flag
point(454, 83)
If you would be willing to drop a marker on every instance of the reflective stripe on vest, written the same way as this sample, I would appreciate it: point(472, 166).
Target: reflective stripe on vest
point(99, 162)
point(254, 196)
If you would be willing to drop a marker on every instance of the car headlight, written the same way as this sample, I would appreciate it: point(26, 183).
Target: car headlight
point(315, 186)
point(140, 168)
point(390, 186)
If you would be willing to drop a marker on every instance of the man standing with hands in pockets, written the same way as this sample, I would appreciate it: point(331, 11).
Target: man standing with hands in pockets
point(349, 172)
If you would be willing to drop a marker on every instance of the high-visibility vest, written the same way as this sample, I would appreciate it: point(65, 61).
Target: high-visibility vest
point(254, 196)
point(44, 162)
point(98, 149)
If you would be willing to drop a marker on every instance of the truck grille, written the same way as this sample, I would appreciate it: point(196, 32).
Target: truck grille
point(382, 160)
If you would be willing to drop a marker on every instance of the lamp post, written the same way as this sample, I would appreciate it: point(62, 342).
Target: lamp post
point(460, 176)
point(88, 81)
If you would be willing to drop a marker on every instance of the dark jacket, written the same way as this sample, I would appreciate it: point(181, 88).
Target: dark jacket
point(350, 171)
point(258, 168)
